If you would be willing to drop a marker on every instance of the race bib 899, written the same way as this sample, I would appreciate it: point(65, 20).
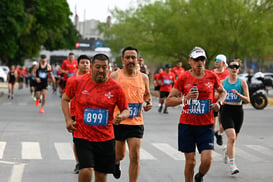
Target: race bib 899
point(96, 117)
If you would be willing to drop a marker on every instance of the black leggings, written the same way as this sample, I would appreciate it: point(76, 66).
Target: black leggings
point(232, 116)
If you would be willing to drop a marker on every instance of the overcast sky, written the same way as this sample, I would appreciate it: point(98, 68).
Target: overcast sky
point(97, 9)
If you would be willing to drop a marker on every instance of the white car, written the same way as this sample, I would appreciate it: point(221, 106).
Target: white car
point(3, 76)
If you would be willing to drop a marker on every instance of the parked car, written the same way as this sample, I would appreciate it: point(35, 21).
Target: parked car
point(3, 76)
point(5, 69)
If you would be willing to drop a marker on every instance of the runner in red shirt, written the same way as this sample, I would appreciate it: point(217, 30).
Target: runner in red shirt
point(178, 70)
point(222, 73)
point(156, 82)
point(196, 120)
point(96, 96)
point(68, 68)
point(167, 79)
point(83, 68)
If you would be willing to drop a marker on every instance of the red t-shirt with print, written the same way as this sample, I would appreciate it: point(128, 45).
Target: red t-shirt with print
point(167, 79)
point(95, 103)
point(201, 113)
point(71, 67)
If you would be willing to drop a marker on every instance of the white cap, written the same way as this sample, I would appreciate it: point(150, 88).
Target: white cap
point(222, 57)
point(197, 52)
point(34, 63)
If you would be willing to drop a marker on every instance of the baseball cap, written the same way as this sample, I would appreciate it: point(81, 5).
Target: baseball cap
point(221, 57)
point(197, 52)
point(43, 56)
point(168, 66)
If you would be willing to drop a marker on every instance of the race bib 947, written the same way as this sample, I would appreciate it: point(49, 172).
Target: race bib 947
point(200, 107)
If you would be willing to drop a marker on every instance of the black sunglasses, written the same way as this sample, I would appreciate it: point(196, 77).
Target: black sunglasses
point(234, 66)
point(201, 58)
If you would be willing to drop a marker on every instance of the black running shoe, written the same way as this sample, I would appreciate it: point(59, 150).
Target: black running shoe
point(117, 171)
point(77, 168)
point(165, 111)
point(160, 109)
point(219, 138)
point(197, 178)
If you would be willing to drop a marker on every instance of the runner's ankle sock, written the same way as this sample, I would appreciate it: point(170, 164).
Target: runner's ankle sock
point(232, 161)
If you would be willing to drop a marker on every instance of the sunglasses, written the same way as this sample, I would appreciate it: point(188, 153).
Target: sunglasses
point(234, 66)
point(218, 60)
point(201, 58)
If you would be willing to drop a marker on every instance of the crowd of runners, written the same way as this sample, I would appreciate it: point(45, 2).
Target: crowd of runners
point(103, 107)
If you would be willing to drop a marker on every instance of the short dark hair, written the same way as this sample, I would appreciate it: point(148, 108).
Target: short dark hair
point(129, 48)
point(43, 56)
point(101, 57)
point(83, 56)
point(71, 53)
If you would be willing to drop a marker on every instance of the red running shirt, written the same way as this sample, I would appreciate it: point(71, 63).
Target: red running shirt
point(88, 94)
point(71, 67)
point(200, 114)
point(167, 79)
point(178, 71)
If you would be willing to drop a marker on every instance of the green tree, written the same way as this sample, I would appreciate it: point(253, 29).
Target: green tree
point(167, 31)
point(43, 24)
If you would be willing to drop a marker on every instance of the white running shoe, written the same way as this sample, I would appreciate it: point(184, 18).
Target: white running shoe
point(234, 169)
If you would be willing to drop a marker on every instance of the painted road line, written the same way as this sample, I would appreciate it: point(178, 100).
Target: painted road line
point(65, 151)
point(2, 149)
point(169, 150)
point(17, 173)
point(31, 150)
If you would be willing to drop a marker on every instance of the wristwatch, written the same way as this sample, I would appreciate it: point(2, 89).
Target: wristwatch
point(220, 103)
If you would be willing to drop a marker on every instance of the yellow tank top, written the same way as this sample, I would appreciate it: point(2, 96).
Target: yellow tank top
point(134, 89)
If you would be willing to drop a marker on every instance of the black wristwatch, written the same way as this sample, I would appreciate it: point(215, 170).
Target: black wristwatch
point(220, 103)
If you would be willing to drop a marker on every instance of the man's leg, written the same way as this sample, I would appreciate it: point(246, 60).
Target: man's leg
point(120, 154)
point(134, 154)
point(206, 160)
point(85, 175)
point(189, 166)
point(100, 177)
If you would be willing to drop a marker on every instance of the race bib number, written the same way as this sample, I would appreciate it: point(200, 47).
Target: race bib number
point(70, 74)
point(42, 75)
point(135, 109)
point(96, 117)
point(200, 107)
point(231, 97)
point(167, 81)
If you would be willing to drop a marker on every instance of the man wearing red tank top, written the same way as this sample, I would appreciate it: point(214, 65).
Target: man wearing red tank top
point(196, 120)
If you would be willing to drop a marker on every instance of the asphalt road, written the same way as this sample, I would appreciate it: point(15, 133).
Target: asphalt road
point(37, 147)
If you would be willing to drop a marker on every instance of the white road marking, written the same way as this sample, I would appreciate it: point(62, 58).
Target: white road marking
point(17, 173)
point(65, 151)
point(2, 149)
point(170, 151)
point(31, 150)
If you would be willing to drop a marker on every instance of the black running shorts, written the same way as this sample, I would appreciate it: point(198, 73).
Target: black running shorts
point(97, 155)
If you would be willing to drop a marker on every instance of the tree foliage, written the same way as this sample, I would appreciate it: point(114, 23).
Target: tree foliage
point(27, 26)
point(167, 30)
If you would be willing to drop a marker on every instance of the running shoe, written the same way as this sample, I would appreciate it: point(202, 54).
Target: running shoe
point(165, 111)
point(160, 108)
point(197, 178)
point(77, 168)
point(41, 110)
point(234, 169)
point(117, 171)
point(219, 138)
point(37, 102)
